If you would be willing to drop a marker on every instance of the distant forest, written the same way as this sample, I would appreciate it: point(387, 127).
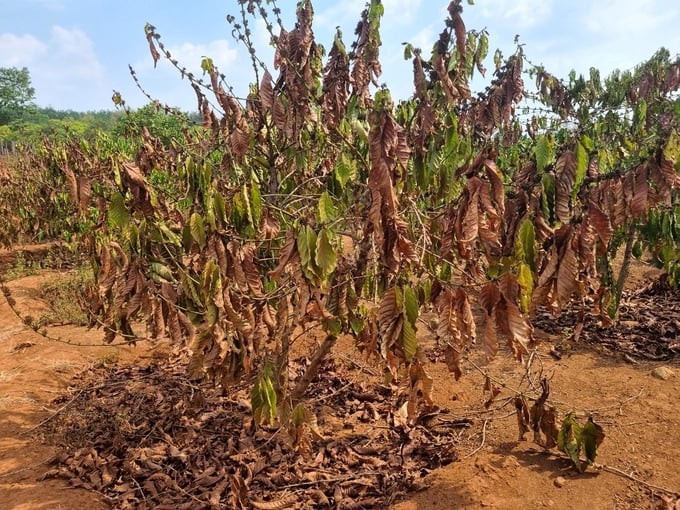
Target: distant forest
point(37, 122)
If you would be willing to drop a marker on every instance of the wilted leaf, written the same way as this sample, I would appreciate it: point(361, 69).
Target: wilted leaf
point(522, 414)
point(325, 256)
point(569, 440)
point(592, 435)
point(544, 152)
point(327, 210)
point(408, 340)
point(119, 216)
point(198, 229)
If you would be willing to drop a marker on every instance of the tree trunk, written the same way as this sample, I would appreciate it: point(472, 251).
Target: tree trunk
point(313, 369)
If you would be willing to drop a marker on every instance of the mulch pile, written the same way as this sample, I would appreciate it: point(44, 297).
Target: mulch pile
point(147, 437)
point(648, 327)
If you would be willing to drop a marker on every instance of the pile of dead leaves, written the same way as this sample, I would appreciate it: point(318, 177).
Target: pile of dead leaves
point(648, 325)
point(147, 437)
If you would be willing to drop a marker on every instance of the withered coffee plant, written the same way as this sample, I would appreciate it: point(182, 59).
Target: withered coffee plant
point(317, 202)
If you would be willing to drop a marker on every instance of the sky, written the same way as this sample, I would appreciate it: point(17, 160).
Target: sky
point(78, 51)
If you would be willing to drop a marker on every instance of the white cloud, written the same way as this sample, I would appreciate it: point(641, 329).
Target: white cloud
point(609, 34)
point(73, 51)
point(165, 83)
point(521, 13)
point(20, 50)
point(617, 18)
point(400, 12)
point(65, 70)
point(345, 14)
point(190, 55)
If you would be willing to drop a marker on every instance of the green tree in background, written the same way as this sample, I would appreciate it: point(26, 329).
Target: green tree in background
point(161, 123)
point(16, 93)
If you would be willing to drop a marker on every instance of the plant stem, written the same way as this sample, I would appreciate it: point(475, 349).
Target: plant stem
point(313, 369)
point(625, 264)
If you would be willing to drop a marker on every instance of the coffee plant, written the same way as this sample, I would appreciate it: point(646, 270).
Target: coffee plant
point(317, 202)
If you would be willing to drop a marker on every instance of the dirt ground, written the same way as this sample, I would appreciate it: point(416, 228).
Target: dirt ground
point(637, 464)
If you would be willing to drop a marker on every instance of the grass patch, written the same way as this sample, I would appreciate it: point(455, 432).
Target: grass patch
point(31, 262)
point(22, 267)
point(66, 298)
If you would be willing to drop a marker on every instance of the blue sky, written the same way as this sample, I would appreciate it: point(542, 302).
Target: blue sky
point(78, 51)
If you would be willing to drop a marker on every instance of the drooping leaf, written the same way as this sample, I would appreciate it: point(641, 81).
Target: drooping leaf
point(592, 435)
point(548, 196)
point(325, 256)
point(565, 176)
point(525, 278)
point(263, 396)
point(119, 216)
point(545, 152)
point(569, 440)
point(255, 202)
point(219, 208)
point(327, 211)
point(522, 415)
point(345, 169)
point(410, 305)
point(306, 245)
point(408, 340)
point(197, 229)
point(582, 161)
point(526, 249)
point(161, 273)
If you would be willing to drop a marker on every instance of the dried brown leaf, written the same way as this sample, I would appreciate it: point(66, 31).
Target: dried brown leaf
point(279, 504)
point(287, 251)
point(565, 176)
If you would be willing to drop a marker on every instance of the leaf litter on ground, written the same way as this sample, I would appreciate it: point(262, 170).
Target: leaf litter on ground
point(148, 437)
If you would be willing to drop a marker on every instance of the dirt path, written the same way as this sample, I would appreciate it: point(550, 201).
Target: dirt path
point(639, 413)
point(34, 372)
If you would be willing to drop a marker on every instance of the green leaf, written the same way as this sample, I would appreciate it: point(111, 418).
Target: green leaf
point(544, 151)
point(587, 143)
point(411, 305)
point(581, 168)
point(525, 278)
point(357, 325)
point(637, 250)
point(209, 209)
point(525, 247)
point(219, 208)
point(326, 258)
point(569, 440)
point(298, 415)
point(207, 65)
point(408, 51)
point(169, 235)
point(263, 396)
point(210, 278)
point(161, 273)
point(408, 340)
point(640, 116)
point(306, 243)
point(197, 229)
point(345, 169)
point(119, 216)
point(327, 212)
point(332, 326)
point(248, 205)
point(256, 203)
point(548, 197)
point(592, 435)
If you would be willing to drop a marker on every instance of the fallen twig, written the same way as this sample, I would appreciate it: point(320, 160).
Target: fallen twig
point(481, 445)
point(620, 472)
point(331, 480)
